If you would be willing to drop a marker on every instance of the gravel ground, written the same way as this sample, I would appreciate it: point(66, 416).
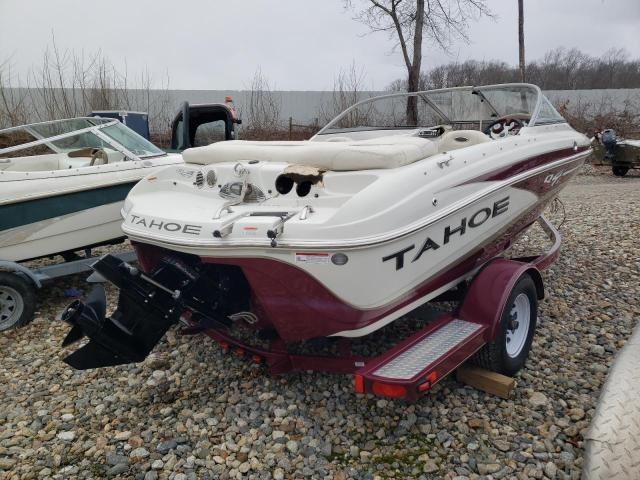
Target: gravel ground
point(192, 412)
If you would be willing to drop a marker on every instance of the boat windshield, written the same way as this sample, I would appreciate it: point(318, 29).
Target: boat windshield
point(460, 107)
point(64, 136)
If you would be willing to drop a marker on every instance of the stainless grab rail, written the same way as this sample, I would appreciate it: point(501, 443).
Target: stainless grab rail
point(278, 227)
point(306, 210)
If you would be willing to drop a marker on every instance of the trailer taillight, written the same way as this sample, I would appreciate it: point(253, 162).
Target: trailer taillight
point(389, 390)
point(429, 381)
point(358, 383)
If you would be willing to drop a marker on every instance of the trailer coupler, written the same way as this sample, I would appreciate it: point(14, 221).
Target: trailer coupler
point(147, 307)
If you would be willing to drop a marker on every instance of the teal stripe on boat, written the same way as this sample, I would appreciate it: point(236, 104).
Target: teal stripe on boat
point(31, 211)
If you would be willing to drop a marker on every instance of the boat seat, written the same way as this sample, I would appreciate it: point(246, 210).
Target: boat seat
point(36, 163)
point(387, 152)
point(456, 139)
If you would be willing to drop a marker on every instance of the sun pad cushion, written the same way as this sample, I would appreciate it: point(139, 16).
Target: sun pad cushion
point(387, 152)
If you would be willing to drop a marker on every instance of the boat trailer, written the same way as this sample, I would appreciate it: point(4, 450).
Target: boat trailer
point(147, 309)
point(19, 284)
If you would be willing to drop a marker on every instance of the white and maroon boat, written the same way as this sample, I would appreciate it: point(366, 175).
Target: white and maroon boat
point(397, 201)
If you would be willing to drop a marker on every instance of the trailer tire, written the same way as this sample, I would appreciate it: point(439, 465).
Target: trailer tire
point(508, 352)
point(17, 301)
point(619, 171)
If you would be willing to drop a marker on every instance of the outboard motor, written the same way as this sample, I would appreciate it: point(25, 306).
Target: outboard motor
point(609, 140)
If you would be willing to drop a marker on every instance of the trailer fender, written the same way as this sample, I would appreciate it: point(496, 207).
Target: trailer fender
point(489, 291)
point(16, 267)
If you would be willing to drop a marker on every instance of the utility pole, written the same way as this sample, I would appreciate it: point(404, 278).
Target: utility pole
point(521, 38)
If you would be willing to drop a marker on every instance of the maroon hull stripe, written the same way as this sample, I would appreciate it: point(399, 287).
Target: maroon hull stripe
point(525, 165)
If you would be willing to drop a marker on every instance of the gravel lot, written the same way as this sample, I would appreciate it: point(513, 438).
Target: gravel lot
point(192, 412)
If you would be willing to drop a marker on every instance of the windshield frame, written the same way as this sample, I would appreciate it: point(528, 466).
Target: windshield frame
point(97, 124)
point(423, 94)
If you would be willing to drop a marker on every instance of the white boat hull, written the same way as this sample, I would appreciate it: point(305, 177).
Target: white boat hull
point(70, 232)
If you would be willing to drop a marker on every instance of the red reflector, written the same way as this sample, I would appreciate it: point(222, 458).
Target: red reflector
point(256, 358)
point(394, 391)
point(358, 383)
point(224, 346)
point(431, 378)
point(423, 387)
point(239, 352)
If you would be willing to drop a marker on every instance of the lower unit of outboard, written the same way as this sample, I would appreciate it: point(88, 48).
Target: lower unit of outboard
point(148, 305)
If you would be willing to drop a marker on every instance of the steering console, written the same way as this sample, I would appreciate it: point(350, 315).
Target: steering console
point(504, 127)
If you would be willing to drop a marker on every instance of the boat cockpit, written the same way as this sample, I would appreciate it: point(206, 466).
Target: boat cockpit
point(398, 129)
point(71, 144)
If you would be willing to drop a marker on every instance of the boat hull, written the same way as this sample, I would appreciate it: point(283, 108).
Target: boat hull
point(302, 294)
point(47, 213)
point(90, 227)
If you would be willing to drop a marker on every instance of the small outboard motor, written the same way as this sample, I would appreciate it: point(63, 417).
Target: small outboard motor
point(609, 140)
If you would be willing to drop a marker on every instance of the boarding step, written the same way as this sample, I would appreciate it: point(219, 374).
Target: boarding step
point(415, 365)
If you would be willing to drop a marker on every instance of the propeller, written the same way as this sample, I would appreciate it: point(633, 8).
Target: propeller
point(90, 313)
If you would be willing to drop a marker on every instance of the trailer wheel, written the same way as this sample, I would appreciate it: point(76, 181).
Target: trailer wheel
point(619, 171)
point(17, 301)
point(508, 352)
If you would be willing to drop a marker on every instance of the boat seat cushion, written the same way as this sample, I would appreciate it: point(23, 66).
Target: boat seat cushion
point(35, 163)
point(455, 139)
point(387, 152)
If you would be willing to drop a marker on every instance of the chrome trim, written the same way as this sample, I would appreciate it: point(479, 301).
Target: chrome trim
point(364, 241)
point(221, 210)
point(226, 227)
point(304, 213)
point(278, 228)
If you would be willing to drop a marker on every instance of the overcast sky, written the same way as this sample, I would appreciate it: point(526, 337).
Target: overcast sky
point(298, 44)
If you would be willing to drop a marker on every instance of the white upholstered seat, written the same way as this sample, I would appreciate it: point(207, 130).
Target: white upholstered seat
point(386, 152)
point(455, 139)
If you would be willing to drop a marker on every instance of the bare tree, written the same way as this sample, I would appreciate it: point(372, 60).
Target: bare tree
point(14, 106)
point(69, 84)
point(521, 38)
point(411, 21)
point(347, 90)
point(263, 109)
